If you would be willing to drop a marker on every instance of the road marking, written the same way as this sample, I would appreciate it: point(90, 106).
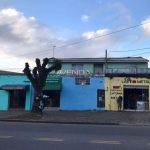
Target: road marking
point(148, 143)
point(5, 137)
point(50, 139)
point(105, 142)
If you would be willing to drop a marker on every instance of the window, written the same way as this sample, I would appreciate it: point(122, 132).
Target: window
point(82, 81)
point(131, 66)
point(98, 68)
point(101, 98)
point(77, 68)
point(143, 95)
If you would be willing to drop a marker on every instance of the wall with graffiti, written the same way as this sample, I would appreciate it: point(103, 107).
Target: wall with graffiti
point(115, 88)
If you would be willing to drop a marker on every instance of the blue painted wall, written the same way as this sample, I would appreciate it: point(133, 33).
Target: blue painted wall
point(4, 94)
point(80, 97)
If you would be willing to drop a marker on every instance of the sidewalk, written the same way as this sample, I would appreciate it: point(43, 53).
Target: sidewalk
point(86, 117)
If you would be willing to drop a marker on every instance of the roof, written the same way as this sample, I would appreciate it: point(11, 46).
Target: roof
point(102, 59)
point(2, 72)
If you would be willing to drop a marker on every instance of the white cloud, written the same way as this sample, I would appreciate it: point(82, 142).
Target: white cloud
point(92, 48)
point(85, 18)
point(92, 34)
point(143, 32)
point(146, 26)
point(20, 35)
point(10, 12)
point(32, 18)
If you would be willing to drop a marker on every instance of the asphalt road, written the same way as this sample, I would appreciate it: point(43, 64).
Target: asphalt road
point(40, 136)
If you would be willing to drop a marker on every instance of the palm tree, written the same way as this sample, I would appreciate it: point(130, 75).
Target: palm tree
point(38, 77)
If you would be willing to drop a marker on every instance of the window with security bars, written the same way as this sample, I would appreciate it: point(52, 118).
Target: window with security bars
point(77, 68)
point(100, 98)
point(82, 81)
point(98, 68)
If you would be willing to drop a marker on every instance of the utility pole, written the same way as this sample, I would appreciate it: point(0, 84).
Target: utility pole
point(105, 60)
point(53, 51)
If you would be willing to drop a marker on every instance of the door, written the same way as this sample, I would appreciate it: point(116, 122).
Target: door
point(100, 98)
point(17, 98)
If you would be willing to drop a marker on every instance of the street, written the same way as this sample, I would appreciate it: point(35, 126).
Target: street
point(45, 136)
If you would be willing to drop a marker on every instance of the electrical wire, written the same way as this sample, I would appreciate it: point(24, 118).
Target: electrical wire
point(80, 41)
point(140, 54)
point(132, 50)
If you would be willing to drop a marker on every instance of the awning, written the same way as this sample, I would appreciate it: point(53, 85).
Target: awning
point(14, 87)
point(135, 87)
point(52, 87)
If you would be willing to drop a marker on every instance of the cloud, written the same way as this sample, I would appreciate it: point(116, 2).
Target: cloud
point(92, 34)
point(146, 26)
point(143, 32)
point(85, 18)
point(92, 48)
point(20, 35)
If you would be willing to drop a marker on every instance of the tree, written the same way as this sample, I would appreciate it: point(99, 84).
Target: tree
point(38, 77)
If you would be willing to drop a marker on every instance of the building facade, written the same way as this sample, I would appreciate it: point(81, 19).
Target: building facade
point(15, 92)
point(82, 93)
point(90, 91)
point(82, 84)
point(128, 83)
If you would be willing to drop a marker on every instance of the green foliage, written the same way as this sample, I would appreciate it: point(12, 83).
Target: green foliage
point(57, 64)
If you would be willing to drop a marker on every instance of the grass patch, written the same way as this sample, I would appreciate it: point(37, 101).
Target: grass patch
point(27, 116)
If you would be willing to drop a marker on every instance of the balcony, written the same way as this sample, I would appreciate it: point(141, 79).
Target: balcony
point(129, 72)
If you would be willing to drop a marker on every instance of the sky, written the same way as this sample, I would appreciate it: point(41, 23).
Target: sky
point(31, 29)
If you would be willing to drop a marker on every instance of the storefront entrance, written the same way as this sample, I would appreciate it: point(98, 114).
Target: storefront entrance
point(142, 101)
point(54, 97)
point(17, 98)
point(53, 89)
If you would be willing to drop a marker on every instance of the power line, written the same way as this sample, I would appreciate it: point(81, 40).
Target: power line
point(131, 50)
point(104, 35)
point(140, 54)
point(27, 54)
point(81, 41)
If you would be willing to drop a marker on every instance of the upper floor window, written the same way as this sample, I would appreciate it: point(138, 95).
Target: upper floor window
point(98, 69)
point(131, 66)
point(77, 68)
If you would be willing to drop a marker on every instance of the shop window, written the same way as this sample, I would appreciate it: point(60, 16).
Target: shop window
point(82, 81)
point(98, 68)
point(143, 96)
point(100, 98)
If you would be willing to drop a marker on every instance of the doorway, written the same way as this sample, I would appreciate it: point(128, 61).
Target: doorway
point(142, 102)
point(54, 97)
point(17, 98)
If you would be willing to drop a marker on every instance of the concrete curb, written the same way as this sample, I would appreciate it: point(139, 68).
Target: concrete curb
point(75, 122)
point(59, 122)
point(135, 124)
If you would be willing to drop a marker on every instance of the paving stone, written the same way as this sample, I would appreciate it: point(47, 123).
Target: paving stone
point(95, 117)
